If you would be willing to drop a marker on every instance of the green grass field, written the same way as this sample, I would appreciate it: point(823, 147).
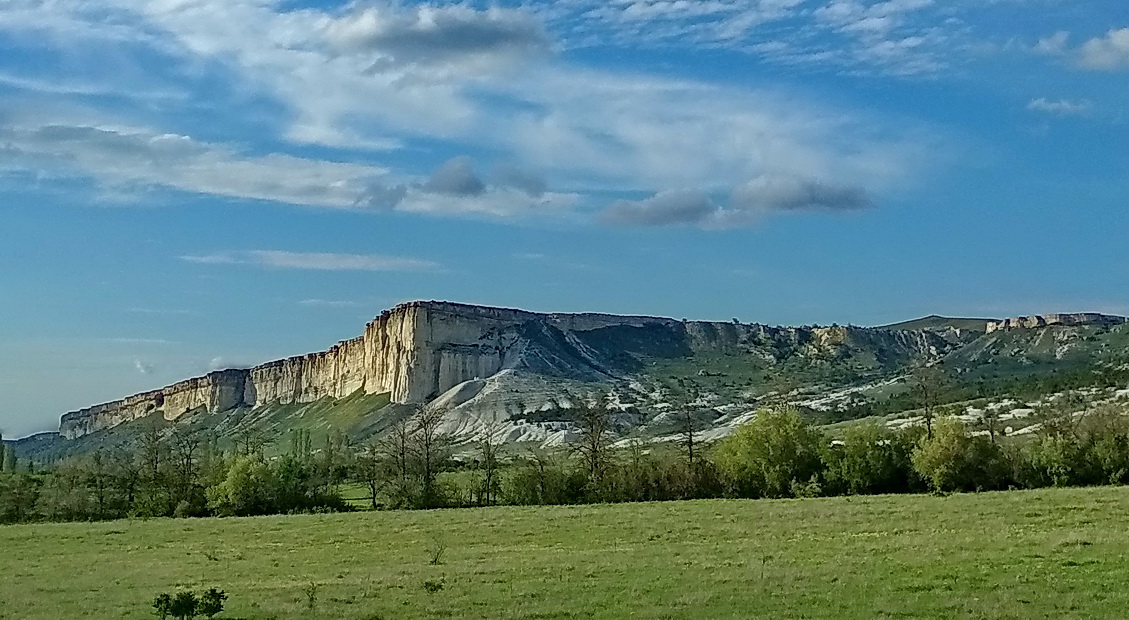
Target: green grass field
point(1031, 554)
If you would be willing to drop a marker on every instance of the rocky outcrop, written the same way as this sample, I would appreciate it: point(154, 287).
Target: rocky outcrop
point(1046, 320)
point(217, 391)
point(420, 350)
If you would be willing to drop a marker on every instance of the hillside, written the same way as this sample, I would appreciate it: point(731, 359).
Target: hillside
point(520, 375)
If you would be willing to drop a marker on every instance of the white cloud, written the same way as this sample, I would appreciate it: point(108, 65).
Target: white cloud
point(328, 303)
point(1108, 53)
point(316, 261)
point(140, 158)
point(439, 77)
point(1053, 45)
point(1061, 107)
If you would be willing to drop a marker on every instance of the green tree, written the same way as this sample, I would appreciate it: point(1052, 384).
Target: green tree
point(870, 459)
point(488, 452)
point(952, 460)
point(430, 448)
point(928, 383)
point(764, 457)
point(594, 444)
point(248, 488)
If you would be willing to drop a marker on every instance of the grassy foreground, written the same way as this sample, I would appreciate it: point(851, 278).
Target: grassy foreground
point(1029, 554)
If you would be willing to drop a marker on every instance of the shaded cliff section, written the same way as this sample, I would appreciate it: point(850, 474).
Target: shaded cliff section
point(419, 350)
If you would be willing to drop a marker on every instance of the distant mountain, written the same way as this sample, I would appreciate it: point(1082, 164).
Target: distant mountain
point(522, 374)
point(935, 322)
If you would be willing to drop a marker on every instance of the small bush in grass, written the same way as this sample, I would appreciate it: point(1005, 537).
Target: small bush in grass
point(432, 586)
point(163, 604)
point(211, 602)
point(435, 550)
point(186, 605)
point(311, 592)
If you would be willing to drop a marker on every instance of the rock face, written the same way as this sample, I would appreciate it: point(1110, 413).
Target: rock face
point(420, 350)
point(1045, 320)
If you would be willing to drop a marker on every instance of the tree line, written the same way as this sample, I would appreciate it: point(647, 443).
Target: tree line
point(413, 465)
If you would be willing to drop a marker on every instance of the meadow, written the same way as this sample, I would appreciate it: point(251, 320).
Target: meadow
point(1061, 553)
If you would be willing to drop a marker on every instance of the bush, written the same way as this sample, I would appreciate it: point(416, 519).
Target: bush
point(765, 456)
point(211, 602)
point(871, 459)
point(953, 461)
point(186, 605)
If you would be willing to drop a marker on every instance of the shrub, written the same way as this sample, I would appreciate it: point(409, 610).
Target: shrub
point(953, 461)
point(163, 605)
point(184, 606)
point(870, 459)
point(211, 602)
point(765, 456)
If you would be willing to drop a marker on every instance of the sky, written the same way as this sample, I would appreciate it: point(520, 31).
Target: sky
point(187, 185)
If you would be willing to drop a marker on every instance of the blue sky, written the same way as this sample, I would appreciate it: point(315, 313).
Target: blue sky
point(192, 184)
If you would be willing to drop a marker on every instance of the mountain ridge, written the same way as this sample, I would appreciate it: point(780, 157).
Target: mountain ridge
point(489, 365)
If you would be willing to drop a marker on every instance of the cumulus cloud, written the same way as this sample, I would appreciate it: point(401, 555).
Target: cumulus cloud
point(507, 175)
point(590, 130)
point(1108, 53)
point(456, 188)
point(316, 261)
point(663, 209)
point(1062, 107)
point(439, 35)
point(1053, 45)
point(790, 193)
point(747, 203)
point(456, 177)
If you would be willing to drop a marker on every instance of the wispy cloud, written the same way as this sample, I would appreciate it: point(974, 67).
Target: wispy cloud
point(163, 311)
point(459, 75)
point(1062, 107)
point(142, 158)
point(142, 341)
point(329, 303)
point(316, 261)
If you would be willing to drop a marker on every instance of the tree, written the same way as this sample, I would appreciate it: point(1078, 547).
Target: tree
point(369, 469)
point(764, 457)
point(951, 460)
point(870, 459)
point(396, 461)
point(928, 383)
point(430, 448)
point(488, 450)
point(153, 498)
point(211, 602)
point(9, 462)
point(184, 473)
point(248, 489)
point(594, 425)
point(689, 425)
